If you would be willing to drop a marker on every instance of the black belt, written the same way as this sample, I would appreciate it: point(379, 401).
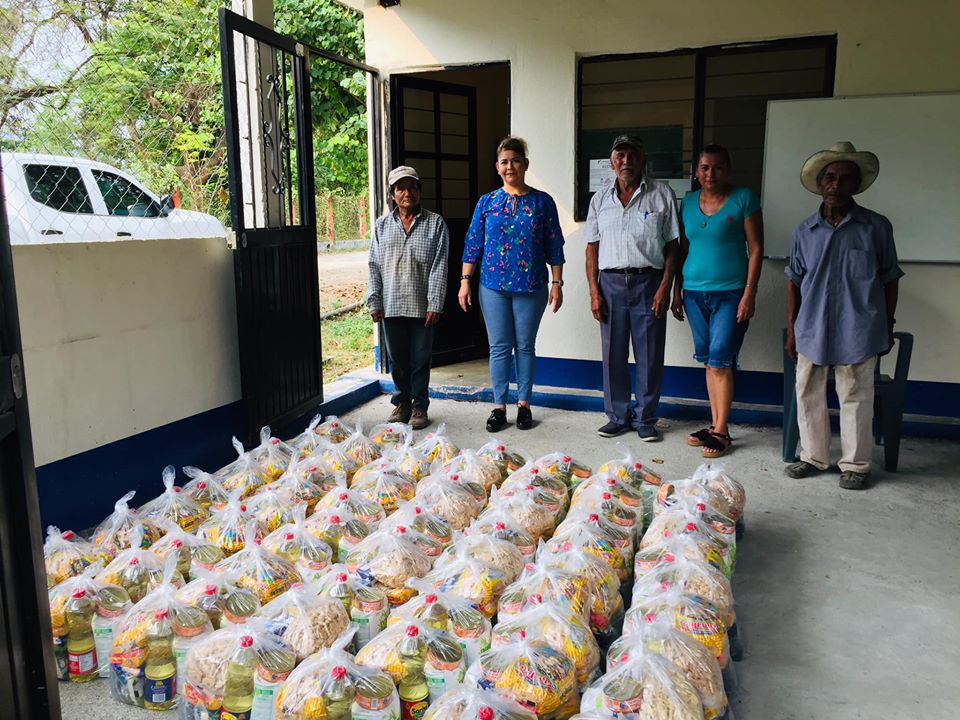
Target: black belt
point(630, 271)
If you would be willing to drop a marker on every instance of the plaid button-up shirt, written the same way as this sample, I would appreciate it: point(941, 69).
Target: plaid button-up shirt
point(408, 271)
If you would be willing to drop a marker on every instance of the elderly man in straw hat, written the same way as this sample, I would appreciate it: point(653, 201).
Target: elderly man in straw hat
point(407, 288)
point(841, 297)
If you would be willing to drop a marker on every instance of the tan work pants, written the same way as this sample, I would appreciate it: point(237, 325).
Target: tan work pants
point(855, 393)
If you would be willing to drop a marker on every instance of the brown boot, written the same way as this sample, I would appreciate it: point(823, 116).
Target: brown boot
point(401, 413)
point(419, 419)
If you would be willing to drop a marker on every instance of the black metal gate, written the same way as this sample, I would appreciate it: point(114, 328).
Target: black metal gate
point(267, 104)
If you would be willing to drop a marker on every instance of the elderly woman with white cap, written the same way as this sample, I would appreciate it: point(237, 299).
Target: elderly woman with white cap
point(842, 282)
point(407, 288)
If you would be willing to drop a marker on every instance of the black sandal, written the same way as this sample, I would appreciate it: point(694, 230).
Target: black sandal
point(497, 420)
point(717, 445)
point(699, 437)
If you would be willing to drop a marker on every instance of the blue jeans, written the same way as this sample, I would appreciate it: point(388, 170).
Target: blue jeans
point(512, 320)
point(717, 336)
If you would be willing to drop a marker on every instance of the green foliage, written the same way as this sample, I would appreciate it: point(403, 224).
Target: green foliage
point(347, 342)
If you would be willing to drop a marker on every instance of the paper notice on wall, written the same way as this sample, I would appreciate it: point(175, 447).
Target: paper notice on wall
point(601, 174)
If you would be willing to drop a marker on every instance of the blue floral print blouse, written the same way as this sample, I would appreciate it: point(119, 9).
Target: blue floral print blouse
point(514, 238)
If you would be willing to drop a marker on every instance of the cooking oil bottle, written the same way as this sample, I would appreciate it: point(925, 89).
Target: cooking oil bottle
point(160, 688)
point(434, 613)
point(81, 648)
point(238, 696)
point(342, 591)
point(338, 694)
point(135, 579)
point(414, 693)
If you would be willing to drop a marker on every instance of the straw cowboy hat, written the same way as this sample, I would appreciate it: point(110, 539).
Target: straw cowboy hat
point(867, 162)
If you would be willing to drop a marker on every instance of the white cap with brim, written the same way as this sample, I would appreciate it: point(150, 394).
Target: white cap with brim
point(868, 163)
point(398, 173)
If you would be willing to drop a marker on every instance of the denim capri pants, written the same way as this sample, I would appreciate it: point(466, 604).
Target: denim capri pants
point(717, 336)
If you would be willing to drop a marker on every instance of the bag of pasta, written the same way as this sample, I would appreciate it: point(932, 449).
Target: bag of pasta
point(271, 508)
point(560, 628)
point(381, 482)
point(174, 505)
point(471, 467)
point(415, 517)
point(472, 703)
point(527, 507)
point(67, 555)
point(506, 459)
point(387, 435)
point(597, 499)
point(531, 475)
point(605, 612)
point(361, 449)
point(477, 569)
point(445, 497)
point(367, 607)
point(551, 584)
point(227, 528)
point(205, 489)
point(258, 570)
point(436, 446)
point(244, 476)
point(369, 512)
point(272, 455)
point(657, 635)
point(334, 430)
point(443, 611)
point(296, 544)
point(131, 650)
point(565, 468)
point(590, 533)
point(113, 534)
point(338, 529)
point(305, 621)
point(333, 459)
point(647, 686)
point(531, 673)
point(139, 571)
point(408, 460)
point(386, 560)
point(498, 524)
point(205, 670)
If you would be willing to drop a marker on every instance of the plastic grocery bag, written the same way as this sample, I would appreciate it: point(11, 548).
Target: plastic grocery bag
point(271, 507)
point(67, 554)
point(306, 442)
point(437, 446)
point(386, 560)
point(227, 528)
point(472, 703)
point(113, 534)
point(244, 476)
point(727, 494)
point(531, 475)
point(205, 489)
point(369, 512)
point(138, 570)
point(693, 578)
point(338, 529)
point(175, 505)
point(593, 534)
point(477, 569)
point(408, 460)
point(551, 584)
point(387, 435)
point(381, 482)
point(506, 459)
point(367, 606)
point(273, 455)
point(334, 430)
point(333, 459)
point(472, 467)
point(360, 448)
point(527, 507)
point(414, 516)
point(193, 553)
point(597, 498)
point(304, 620)
point(498, 524)
point(563, 467)
point(258, 570)
point(296, 544)
point(443, 495)
point(606, 605)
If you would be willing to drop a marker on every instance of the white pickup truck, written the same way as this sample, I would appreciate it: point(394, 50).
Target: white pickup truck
point(52, 199)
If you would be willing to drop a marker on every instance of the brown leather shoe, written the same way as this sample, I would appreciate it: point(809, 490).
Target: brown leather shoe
point(419, 419)
point(401, 413)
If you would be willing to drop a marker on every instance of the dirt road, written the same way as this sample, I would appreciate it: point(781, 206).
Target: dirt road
point(343, 278)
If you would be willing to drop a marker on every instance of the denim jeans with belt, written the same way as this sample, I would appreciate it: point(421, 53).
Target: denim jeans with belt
point(512, 320)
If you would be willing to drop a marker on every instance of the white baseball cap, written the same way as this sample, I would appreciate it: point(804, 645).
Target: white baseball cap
point(398, 173)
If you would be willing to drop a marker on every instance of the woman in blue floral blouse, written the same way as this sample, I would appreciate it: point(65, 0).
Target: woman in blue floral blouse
point(515, 233)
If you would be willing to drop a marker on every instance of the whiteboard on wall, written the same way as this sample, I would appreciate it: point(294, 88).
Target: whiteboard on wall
point(916, 138)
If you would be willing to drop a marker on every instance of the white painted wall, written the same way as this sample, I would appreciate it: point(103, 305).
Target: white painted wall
point(884, 47)
point(119, 338)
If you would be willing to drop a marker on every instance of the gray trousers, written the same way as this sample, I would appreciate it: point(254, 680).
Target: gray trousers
point(629, 299)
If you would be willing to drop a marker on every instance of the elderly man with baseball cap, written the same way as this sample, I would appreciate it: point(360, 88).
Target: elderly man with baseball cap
point(407, 288)
point(632, 248)
point(842, 282)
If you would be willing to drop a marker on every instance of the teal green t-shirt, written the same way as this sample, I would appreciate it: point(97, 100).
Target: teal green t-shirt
point(717, 256)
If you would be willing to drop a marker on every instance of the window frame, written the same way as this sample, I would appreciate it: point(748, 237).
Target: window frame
point(152, 201)
point(828, 43)
point(90, 200)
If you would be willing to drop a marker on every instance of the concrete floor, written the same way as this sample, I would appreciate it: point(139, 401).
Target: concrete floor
point(848, 603)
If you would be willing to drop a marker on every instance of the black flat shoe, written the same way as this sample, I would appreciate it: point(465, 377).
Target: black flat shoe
point(497, 420)
point(524, 417)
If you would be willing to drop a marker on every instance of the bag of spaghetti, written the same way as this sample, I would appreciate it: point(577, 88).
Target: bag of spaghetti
point(443, 611)
point(472, 703)
point(496, 523)
point(305, 482)
point(175, 505)
point(259, 570)
point(693, 578)
point(367, 607)
point(67, 555)
point(381, 482)
point(207, 667)
point(272, 455)
point(658, 635)
point(560, 628)
point(506, 459)
point(528, 508)
point(647, 686)
point(369, 512)
point(271, 507)
point(304, 620)
point(593, 534)
point(338, 529)
point(386, 560)
point(154, 624)
point(417, 518)
point(477, 569)
point(471, 467)
point(113, 534)
point(689, 516)
point(139, 571)
point(330, 685)
point(436, 446)
point(531, 673)
point(447, 498)
point(605, 612)
point(408, 460)
point(205, 489)
point(551, 584)
point(531, 474)
point(598, 499)
point(227, 528)
point(296, 544)
point(359, 448)
point(442, 656)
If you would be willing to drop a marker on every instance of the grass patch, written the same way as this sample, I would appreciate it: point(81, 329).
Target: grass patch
point(347, 343)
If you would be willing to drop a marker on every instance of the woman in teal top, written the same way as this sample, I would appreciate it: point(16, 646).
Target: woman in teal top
point(721, 243)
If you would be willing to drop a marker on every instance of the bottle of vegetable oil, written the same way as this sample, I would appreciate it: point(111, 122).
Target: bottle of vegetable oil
point(160, 688)
point(414, 693)
point(238, 696)
point(81, 648)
